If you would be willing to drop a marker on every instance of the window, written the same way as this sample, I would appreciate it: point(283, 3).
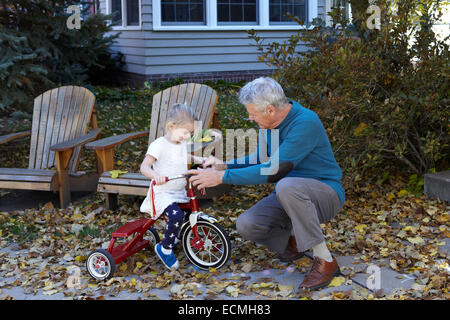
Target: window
point(127, 13)
point(132, 12)
point(87, 8)
point(231, 14)
point(187, 11)
point(279, 10)
point(237, 11)
point(116, 8)
point(344, 5)
point(340, 4)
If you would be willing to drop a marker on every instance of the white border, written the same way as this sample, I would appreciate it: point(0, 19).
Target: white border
point(211, 19)
point(124, 15)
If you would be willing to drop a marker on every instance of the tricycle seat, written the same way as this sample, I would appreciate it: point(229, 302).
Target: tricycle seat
point(129, 228)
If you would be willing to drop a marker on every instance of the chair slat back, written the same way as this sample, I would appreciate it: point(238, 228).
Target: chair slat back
point(59, 115)
point(199, 96)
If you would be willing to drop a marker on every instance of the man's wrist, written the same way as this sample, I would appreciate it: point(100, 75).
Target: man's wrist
point(221, 166)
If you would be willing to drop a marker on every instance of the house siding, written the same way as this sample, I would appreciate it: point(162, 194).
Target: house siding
point(150, 53)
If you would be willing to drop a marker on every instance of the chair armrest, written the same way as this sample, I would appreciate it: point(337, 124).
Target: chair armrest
point(112, 141)
point(12, 136)
point(63, 146)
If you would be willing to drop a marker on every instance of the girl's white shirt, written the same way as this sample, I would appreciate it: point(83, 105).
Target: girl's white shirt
point(171, 160)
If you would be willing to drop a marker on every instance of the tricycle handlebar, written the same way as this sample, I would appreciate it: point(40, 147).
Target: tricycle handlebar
point(179, 176)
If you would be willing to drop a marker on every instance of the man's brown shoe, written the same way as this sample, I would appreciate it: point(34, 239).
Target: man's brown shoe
point(321, 274)
point(290, 253)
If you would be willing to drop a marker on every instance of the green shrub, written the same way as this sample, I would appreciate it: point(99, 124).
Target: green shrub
point(382, 94)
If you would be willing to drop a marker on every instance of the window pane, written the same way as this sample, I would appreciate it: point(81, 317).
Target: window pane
point(182, 11)
point(300, 12)
point(249, 13)
point(196, 12)
point(132, 12)
point(168, 12)
point(116, 7)
point(222, 12)
point(274, 12)
point(278, 10)
point(237, 11)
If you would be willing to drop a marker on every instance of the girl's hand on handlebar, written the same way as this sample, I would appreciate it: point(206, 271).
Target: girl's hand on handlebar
point(160, 180)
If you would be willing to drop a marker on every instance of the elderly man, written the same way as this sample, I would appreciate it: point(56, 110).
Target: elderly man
point(288, 220)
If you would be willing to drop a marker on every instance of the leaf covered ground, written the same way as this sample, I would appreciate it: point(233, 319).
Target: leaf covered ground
point(383, 220)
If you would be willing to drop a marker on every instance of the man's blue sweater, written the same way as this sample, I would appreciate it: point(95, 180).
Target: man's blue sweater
point(303, 141)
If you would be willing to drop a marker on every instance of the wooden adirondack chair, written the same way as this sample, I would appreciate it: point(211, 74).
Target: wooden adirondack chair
point(59, 129)
point(200, 96)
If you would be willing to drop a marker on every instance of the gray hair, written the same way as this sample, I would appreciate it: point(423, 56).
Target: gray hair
point(262, 92)
point(179, 114)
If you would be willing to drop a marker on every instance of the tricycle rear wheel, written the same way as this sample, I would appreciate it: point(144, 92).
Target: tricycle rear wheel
point(100, 264)
point(152, 236)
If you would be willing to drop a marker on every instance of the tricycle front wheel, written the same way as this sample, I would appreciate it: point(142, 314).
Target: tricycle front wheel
point(100, 264)
point(212, 247)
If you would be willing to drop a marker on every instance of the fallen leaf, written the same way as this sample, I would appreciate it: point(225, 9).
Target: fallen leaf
point(360, 228)
point(206, 139)
point(50, 292)
point(80, 258)
point(123, 267)
point(418, 287)
point(416, 240)
point(247, 267)
point(360, 129)
point(232, 291)
point(390, 197)
point(337, 281)
point(177, 289)
point(115, 173)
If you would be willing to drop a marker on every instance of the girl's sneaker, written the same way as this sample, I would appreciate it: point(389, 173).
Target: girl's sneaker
point(169, 260)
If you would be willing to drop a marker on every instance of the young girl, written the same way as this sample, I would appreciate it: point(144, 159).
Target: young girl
point(168, 156)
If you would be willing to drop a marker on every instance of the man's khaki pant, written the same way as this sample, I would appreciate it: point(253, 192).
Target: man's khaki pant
point(299, 206)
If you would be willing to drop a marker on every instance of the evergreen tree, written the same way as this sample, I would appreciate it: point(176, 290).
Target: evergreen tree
point(38, 51)
point(21, 72)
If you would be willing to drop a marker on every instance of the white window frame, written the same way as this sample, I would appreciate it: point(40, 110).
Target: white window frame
point(211, 19)
point(124, 16)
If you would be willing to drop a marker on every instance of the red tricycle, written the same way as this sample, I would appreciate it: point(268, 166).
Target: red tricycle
point(204, 241)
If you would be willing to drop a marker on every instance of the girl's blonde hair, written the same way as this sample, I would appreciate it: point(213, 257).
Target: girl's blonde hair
point(180, 114)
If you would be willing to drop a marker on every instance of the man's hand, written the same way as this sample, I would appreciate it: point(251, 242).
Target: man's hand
point(205, 178)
